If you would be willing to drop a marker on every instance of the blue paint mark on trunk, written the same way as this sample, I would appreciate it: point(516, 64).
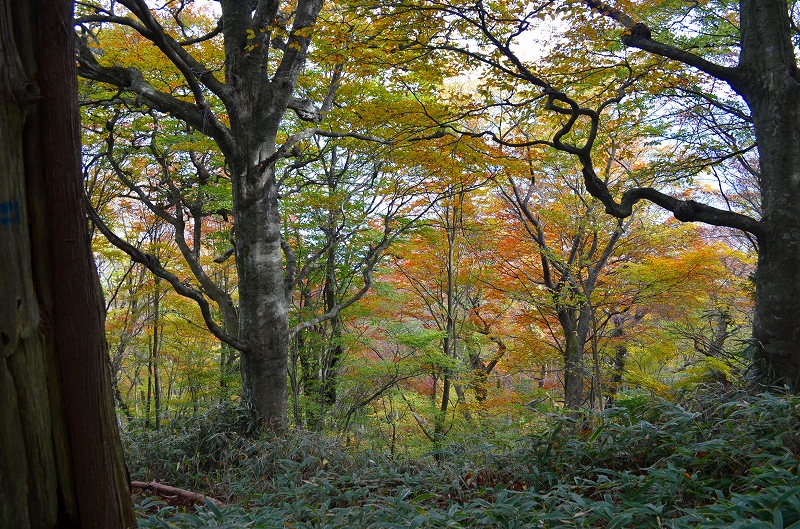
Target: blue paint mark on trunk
point(10, 212)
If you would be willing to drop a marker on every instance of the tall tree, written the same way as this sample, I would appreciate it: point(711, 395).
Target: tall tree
point(265, 46)
point(352, 202)
point(574, 250)
point(439, 279)
point(766, 77)
point(61, 463)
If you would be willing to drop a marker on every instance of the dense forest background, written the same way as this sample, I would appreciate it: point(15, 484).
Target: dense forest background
point(360, 270)
point(438, 277)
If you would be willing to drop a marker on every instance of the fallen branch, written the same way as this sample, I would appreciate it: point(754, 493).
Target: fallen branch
point(171, 493)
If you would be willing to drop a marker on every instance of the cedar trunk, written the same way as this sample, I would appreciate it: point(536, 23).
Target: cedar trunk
point(61, 461)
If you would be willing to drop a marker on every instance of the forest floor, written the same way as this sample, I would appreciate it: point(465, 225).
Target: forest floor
point(713, 459)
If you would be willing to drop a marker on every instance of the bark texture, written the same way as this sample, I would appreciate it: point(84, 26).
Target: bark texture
point(61, 461)
point(258, 104)
point(769, 82)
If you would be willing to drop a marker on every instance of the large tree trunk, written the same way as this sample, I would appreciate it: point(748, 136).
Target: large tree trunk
point(256, 115)
point(260, 76)
point(771, 87)
point(61, 461)
point(575, 325)
point(772, 91)
point(263, 308)
point(767, 78)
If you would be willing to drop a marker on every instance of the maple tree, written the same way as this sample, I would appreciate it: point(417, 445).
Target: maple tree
point(439, 277)
point(438, 304)
point(568, 266)
point(573, 261)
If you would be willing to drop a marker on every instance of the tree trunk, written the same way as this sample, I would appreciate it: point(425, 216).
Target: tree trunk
point(149, 398)
point(767, 78)
point(154, 355)
point(597, 378)
point(61, 463)
point(620, 356)
point(263, 308)
point(257, 90)
point(449, 348)
point(771, 87)
point(574, 323)
point(333, 348)
point(256, 110)
point(573, 371)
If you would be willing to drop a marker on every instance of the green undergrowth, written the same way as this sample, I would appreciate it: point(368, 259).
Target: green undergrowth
point(712, 459)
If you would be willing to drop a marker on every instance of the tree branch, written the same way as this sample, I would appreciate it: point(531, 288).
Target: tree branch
point(684, 210)
point(168, 491)
point(208, 286)
point(191, 69)
point(202, 38)
point(370, 262)
point(152, 263)
point(638, 35)
point(132, 80)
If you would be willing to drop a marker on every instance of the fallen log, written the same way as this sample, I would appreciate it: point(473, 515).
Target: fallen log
point(170, 493)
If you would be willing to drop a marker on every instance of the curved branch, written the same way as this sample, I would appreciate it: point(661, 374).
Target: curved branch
point(202, 38)
point(152, 263)
point(305, 134)
point(208, 286)
point(131, 79)
point(683, 210)
point(638, 35)
point(112, 19)
point(371, 261)
point(191, 69)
